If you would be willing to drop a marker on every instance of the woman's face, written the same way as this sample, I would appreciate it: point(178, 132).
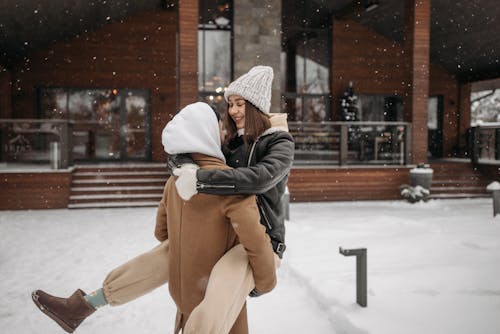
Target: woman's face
point(237, 110)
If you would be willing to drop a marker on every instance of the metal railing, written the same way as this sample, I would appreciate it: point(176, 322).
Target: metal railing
point(29, 140)
point(484, 143)
point(316, 143)
point(351, 143)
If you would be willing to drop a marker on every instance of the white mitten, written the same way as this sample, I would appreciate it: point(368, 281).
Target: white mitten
point(186, 180)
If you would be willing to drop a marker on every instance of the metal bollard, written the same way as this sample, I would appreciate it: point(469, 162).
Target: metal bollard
point(494, 189)
point(496, 202)
point(361, 279)
point(55, 155)
point(286, 204)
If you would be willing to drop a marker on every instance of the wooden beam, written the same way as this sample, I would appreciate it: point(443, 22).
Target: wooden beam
point(417, 45)
point(187, 57)
point(5, 93)
point(464, 118)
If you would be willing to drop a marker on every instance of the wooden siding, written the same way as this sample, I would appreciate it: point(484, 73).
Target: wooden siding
point(378, 65)
point(492, 172)
point(372, 62)
point(34, 190)
point(139, 52)
point(346, 184)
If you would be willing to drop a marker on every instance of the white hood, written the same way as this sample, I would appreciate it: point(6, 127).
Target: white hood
point(195, 129)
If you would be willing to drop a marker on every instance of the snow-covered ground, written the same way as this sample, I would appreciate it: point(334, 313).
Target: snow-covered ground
point(432, 268)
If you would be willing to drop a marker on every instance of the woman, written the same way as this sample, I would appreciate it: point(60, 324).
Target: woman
point(256, 140)
point(258, 147)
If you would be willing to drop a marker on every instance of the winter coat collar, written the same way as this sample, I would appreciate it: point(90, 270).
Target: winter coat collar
point(206, 161)
point(278, 123)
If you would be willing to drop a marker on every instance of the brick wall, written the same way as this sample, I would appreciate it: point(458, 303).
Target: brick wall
point(37, 190)
point(139, 52)
point(346, 184)
point(378, 65)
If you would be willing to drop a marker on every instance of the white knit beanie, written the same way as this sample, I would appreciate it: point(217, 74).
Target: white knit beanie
point(254, 86)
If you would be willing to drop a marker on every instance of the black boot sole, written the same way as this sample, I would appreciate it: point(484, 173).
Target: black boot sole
point(51, 315)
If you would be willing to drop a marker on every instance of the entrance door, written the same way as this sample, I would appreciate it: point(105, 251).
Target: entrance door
point(435, 127)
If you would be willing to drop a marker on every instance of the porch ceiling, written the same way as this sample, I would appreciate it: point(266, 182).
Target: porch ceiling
point(464, 33)
point(26, 25)
point(464, 36)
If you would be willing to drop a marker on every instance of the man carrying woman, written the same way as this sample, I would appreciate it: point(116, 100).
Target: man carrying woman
point(260, 150)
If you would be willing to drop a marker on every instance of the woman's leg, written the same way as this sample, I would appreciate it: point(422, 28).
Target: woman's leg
point(138, 276)
point(129, 281)
point(230, 282)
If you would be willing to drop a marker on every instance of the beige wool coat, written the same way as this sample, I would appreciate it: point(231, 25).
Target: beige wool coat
point(200, 231)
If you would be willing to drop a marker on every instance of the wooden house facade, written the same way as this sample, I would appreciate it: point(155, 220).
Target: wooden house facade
point(105, 91)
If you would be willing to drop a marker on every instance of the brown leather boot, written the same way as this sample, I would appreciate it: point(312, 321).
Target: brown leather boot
point(67, 312)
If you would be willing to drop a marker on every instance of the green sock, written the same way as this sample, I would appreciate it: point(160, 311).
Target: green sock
point(96, 299)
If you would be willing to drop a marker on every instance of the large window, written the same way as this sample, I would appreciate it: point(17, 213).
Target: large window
point(485, 107)
point(214, 50)
point(108, 124)
point(305, 61)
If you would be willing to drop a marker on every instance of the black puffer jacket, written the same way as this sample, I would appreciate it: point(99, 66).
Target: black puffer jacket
point(269, 162)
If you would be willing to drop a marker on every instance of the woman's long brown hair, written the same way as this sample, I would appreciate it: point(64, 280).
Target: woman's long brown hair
point(256, 123)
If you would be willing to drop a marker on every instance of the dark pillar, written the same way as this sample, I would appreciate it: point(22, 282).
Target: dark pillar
point(187, 56)
point(463, 119)
point(417, 39)
point(5, 94)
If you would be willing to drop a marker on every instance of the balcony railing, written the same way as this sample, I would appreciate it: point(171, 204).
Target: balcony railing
point(28, 140)
point(316, 143)
point(484, 142)
point(351, 143)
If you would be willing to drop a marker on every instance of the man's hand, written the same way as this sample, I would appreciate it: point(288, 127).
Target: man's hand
point(186, 180)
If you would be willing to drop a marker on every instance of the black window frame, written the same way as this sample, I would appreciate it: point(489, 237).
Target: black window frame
point(203, 94)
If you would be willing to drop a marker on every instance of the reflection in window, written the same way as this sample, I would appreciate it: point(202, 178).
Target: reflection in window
point(214, 50)
point(380, 108)
point(305, 61)
point(108, 124)
point(485, 106)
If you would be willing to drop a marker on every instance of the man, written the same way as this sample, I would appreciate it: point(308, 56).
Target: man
point(202, 230)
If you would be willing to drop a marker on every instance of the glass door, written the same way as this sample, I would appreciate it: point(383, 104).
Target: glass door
point(136, 121)
point(108, 124)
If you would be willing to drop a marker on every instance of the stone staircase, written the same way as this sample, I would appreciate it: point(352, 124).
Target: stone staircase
point(458, 180)
point(107, 186)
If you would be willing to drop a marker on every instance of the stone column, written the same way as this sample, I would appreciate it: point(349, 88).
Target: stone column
point(257, 40)
point(417, 45)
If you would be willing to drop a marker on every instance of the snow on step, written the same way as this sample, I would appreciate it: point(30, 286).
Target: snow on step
point(113, 196)
point(117, 188)
point(100, 174)
point(112, 204)
point(117, 181)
